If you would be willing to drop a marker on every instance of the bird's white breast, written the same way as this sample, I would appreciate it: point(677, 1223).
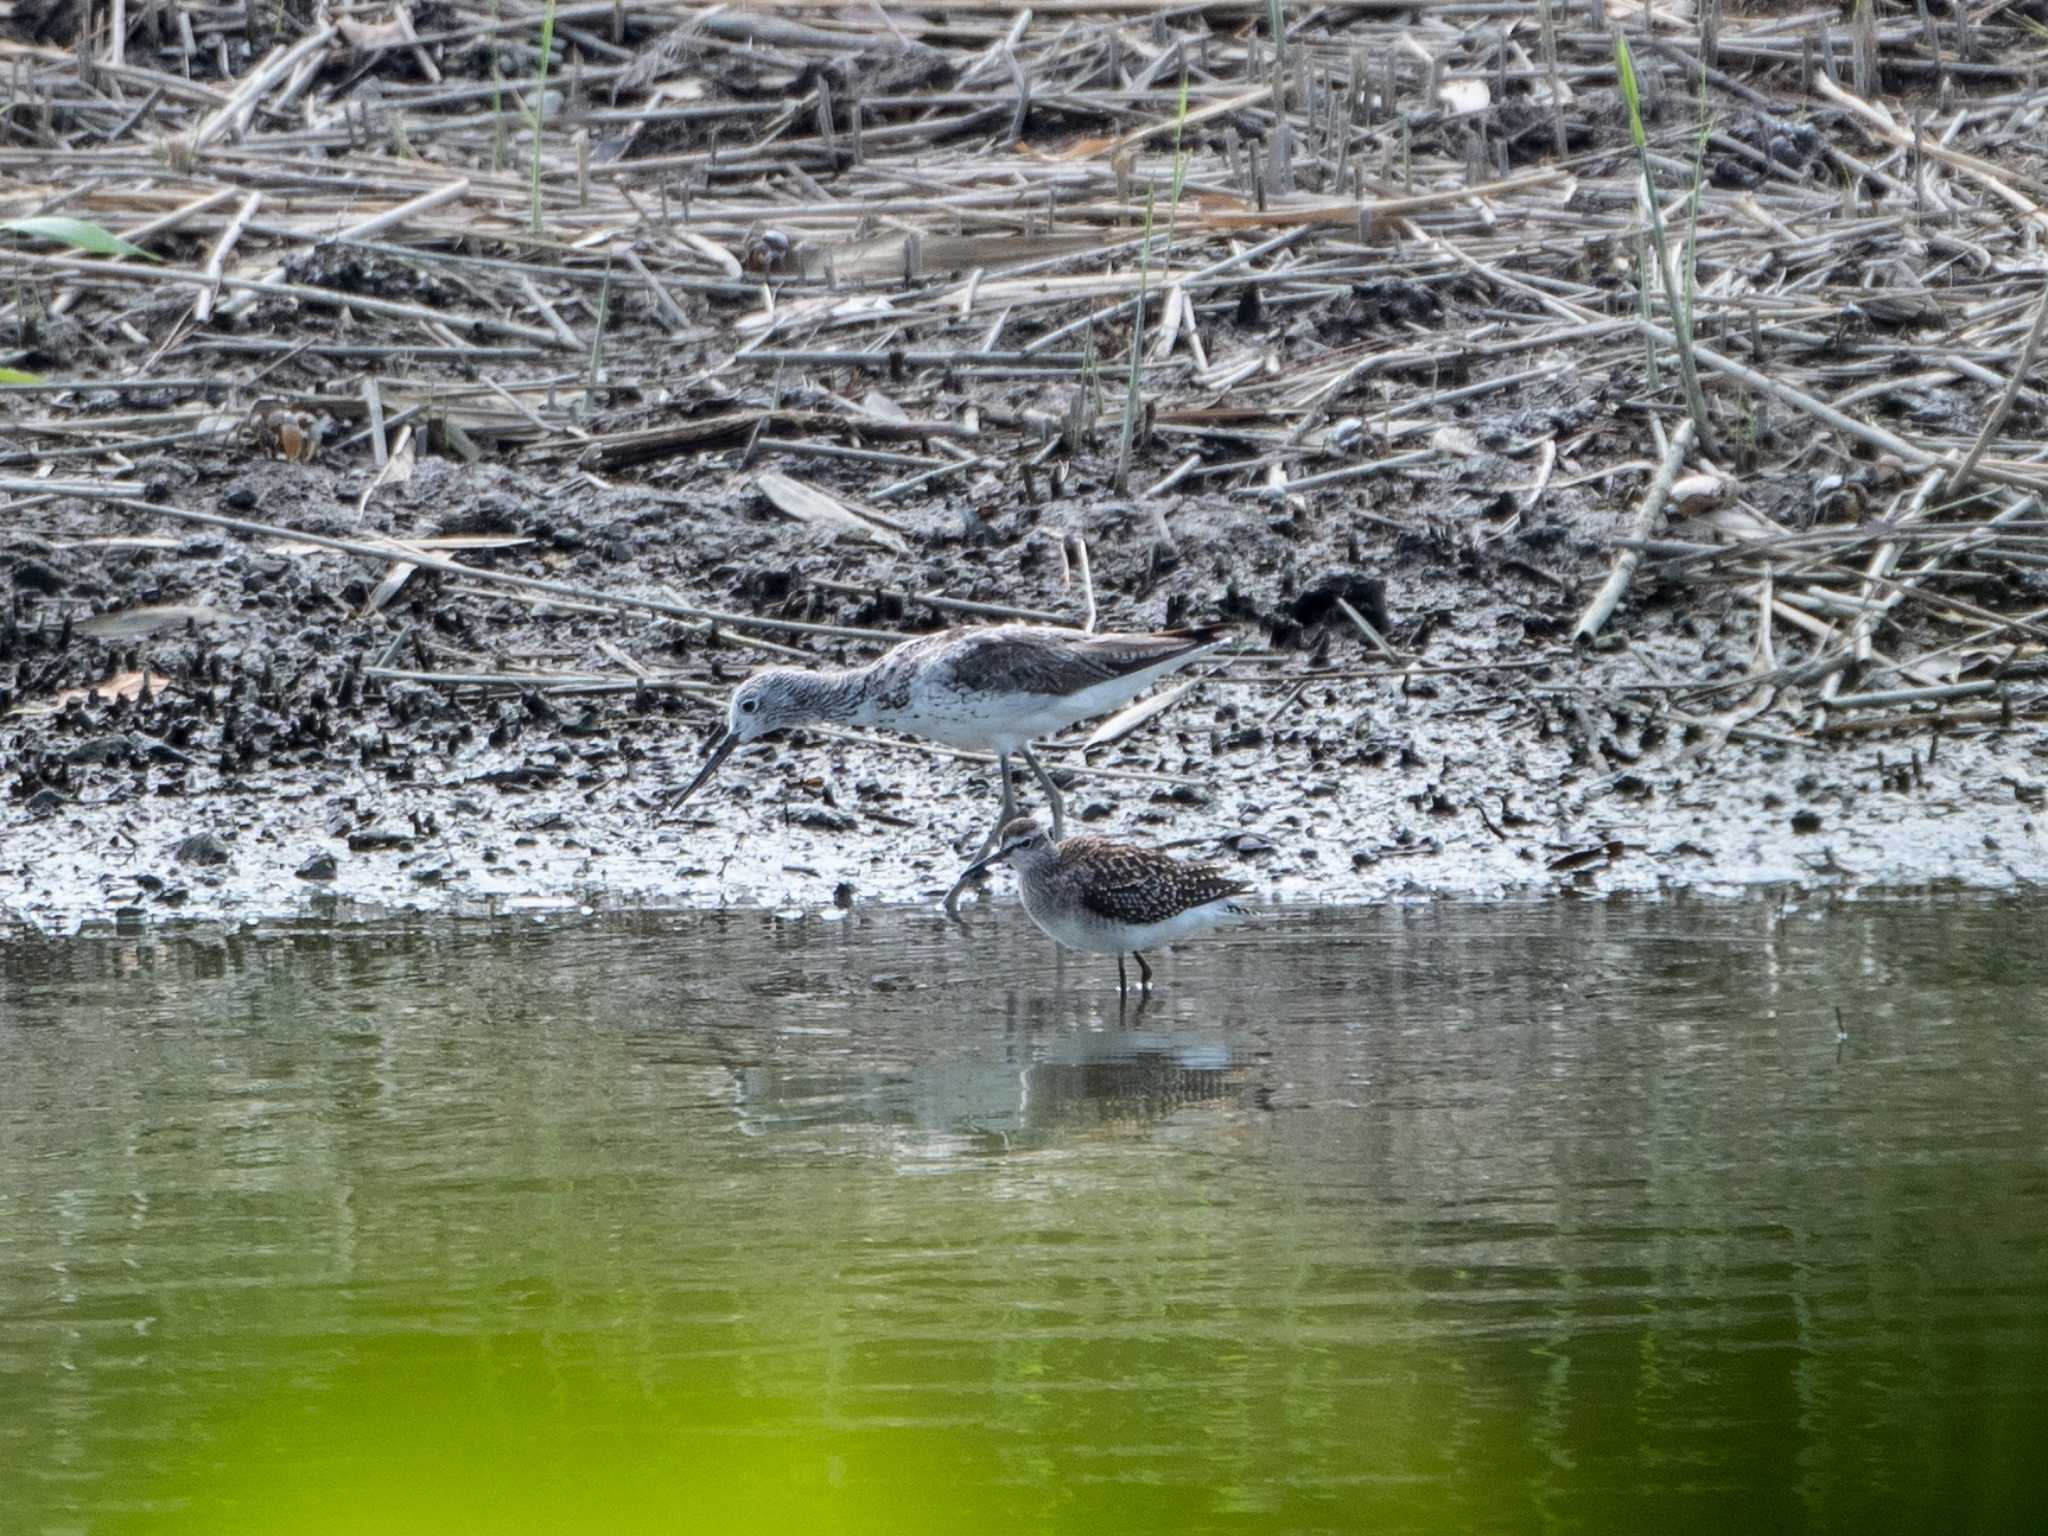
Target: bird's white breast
point(1097, 936)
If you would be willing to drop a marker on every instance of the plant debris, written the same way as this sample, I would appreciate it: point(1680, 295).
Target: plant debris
point(465, 427)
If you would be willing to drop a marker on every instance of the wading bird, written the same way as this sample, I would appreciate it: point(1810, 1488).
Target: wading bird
point(1111, 898)
point(995, 688)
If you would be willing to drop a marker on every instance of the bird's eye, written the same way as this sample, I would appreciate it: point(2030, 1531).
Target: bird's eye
point(748, 706)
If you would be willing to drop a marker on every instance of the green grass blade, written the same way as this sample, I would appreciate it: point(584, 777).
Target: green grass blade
point(79, 234)
point(1130, 428)
point(540, 102)
point(1680, 302)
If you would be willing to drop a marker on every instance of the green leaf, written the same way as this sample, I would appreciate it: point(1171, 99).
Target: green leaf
point(16, 376)
point(1625, 67)
point(76, 233)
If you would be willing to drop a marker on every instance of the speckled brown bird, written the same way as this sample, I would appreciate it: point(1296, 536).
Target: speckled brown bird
point(1111, 898)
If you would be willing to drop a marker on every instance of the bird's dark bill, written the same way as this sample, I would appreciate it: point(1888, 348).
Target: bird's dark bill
point(721, 748)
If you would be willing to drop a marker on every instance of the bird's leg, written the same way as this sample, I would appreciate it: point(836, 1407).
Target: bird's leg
point(988, 844)
point(1009, 796)
point(1123, 984)
point(1003, 817)
point(1052, 792)
point(1144, 973)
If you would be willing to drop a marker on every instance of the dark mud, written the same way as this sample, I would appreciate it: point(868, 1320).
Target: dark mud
point(233, 755)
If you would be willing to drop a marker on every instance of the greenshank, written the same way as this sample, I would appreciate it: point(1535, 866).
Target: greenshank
point(992, 688)
point(1111, 898)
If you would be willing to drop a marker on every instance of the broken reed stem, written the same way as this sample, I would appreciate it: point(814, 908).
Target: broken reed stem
point(754, 239)
point(1960, 475)
point(569, 589)
point(1602, 607)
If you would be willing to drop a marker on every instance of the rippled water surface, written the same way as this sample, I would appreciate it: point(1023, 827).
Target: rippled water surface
point(1437, 1219)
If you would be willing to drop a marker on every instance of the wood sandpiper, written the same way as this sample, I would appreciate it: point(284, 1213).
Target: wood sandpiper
point(1111, 898)
point(992, 688)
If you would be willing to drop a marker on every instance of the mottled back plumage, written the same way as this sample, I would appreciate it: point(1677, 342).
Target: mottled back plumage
point(1140, 885)
point(1026, 658)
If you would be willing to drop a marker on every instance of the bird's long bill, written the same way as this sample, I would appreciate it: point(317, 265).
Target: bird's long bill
point(980, 864)
point(721, 748)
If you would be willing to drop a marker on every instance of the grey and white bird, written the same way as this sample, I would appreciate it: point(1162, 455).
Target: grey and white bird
point(1110, 898)
point(992, 688)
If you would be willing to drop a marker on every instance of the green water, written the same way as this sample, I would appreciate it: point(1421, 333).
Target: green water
point(1444, 1219)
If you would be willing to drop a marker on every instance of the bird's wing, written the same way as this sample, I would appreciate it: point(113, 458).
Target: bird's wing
point(1137, 885)
point(1053, 661)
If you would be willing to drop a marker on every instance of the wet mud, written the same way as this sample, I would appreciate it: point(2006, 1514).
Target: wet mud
point(206, 724)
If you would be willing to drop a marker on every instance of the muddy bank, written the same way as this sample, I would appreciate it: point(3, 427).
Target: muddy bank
point(256, 757)
point(806, 336)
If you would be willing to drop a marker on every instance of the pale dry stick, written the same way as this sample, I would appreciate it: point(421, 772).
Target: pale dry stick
point(1373, 637)
point(933, 749)
point(558, 685)
point(1879, 573)
point(395, 469)
point(241, 105)
point(135, 235)
point(362, 229)
point(385, 553)
point(1952, 608)
point(1974, 641)
point(1179, 472)
point(217, 260)
point(1995, 179)
point(1546, 465)
point(1960, 475)
point(1720, 728)
point(526, 410)
point(421, 56)
point(405, 212)
point(1563, 309)
point(301, 77)
point(619, 654)
point(1177, 122)
point(1087, 585)
point(1940, 693)
point(555, 322)
point(119, 273)
point(1940, 720)
point(678, 321)
point(14, 485)
point(701, 630)
point(1604, 602)
point(373, 403)
point(1883, 560)
point(1735, 720)
point(939, 600)
point(1820, 410)
point(1188, 280)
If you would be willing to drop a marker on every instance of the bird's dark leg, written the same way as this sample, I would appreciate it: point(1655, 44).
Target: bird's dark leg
point(1144, 972)
point(1123, 984)
point(995, 835)
point(1052, 792)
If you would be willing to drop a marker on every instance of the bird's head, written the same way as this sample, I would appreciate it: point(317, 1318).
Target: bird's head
point(768, 701)
point(1020, 835)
